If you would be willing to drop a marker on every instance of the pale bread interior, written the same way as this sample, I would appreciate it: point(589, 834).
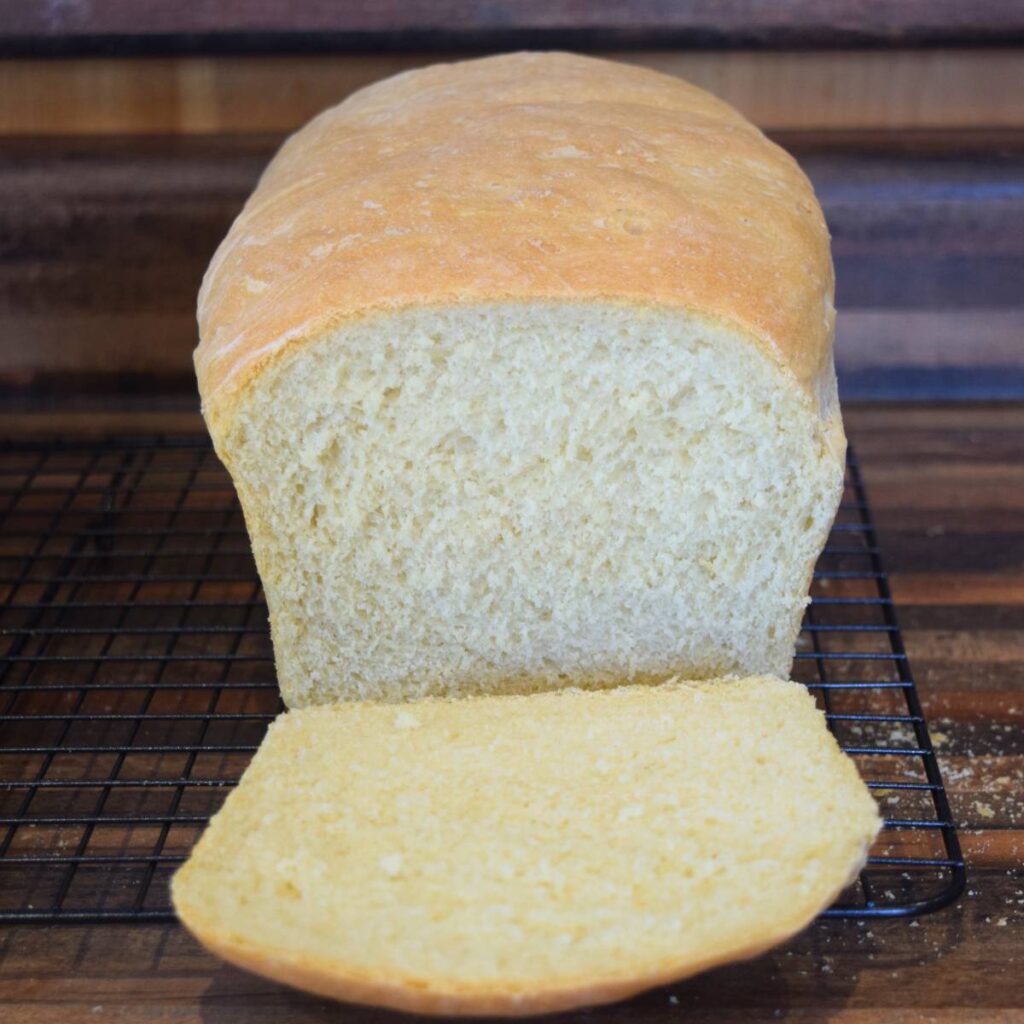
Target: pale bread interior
point(523, 854)
point(524, 496)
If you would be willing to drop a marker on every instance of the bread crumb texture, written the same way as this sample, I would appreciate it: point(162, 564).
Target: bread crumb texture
point(512, 498)
point(523, 854)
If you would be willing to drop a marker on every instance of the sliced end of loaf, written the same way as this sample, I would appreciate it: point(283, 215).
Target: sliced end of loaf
point(524, 496)
point(521, 855)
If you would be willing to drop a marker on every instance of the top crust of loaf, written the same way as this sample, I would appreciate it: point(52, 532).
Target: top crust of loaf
point(530, 176)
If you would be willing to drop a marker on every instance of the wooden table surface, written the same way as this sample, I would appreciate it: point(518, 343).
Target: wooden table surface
point(946, 483)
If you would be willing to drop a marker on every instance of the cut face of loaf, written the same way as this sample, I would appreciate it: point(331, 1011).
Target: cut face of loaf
point(520, 855)
point(518, 497)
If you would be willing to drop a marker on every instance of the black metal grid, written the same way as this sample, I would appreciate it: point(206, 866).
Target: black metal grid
point(136, 680)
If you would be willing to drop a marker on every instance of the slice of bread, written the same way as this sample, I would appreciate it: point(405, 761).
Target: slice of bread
point(519, 855)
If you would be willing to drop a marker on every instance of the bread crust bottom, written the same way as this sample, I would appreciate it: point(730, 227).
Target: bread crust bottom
point(417, 996)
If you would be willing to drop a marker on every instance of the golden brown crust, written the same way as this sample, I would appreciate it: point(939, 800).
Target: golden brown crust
point(522, 177)
point(335, 981)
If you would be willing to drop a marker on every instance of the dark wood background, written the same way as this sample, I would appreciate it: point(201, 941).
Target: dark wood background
point(130, 134)
point(103, 242)
point(78, 26)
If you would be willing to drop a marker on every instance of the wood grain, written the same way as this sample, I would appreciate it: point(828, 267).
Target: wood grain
point(899, 89)
point(103, 243)
point(78, 25)
point(956, 568)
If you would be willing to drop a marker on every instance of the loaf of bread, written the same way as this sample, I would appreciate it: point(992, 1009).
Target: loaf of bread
point(518, 855)
point(522, 368)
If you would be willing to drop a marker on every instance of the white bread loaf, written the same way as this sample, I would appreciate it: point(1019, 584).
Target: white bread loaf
point(518, 855)
point(522, 368)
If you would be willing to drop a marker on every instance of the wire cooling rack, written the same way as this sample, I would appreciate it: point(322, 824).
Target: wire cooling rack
point(137, 679)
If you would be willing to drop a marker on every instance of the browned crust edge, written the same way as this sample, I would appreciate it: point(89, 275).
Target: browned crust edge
point(410, 995)
point(797, 337)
